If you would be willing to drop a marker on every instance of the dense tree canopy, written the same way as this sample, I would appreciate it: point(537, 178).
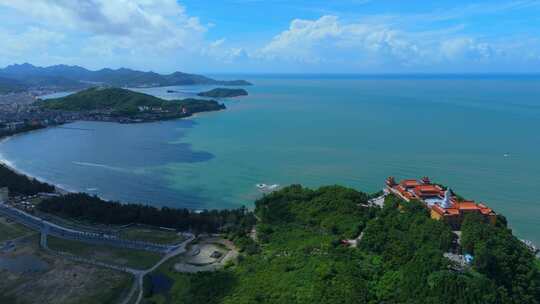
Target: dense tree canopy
point(126, 102)
point(503, 259)
point(21, 184)
point(300, 258)
point(92, 208)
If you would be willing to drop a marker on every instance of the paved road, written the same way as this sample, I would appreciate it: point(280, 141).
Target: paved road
point(47, 228)
point(377, 201)
point(56, 230)
point(181, 249)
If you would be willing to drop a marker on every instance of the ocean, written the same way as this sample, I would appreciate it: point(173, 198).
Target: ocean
point(477, 134)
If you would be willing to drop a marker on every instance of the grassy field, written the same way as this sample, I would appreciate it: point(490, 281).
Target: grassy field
point(64, 282)
point(151, 235)
point(181, 281)
point(106, 293)
point(119, 256)
point(11, 230)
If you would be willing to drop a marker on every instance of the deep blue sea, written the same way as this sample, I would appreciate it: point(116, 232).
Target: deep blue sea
point(477, 134)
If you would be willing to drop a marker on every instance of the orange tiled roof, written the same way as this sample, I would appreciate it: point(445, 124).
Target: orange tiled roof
point(427, 189)
point(445, 211)
point(409, 183)
point(466, 205)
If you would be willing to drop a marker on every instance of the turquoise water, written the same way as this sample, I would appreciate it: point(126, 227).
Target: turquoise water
point(314, 131)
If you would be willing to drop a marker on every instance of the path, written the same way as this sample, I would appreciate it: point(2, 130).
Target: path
point(377, 201)
point(181, 249)
point(137, 274)
point(56, 230)
point(47, 228)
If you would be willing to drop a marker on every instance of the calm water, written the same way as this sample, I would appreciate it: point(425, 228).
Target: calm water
point(313, 131)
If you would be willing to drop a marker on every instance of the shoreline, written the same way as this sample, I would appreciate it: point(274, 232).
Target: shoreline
point(10, 166)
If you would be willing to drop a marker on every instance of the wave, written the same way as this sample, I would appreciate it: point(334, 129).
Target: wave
point(8, 163)
point(98, 166)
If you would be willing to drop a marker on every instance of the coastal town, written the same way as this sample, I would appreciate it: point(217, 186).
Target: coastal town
point(19, 116)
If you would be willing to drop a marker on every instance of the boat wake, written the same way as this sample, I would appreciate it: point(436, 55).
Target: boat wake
point(97, 166)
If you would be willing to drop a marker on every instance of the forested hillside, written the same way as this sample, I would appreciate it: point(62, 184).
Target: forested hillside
point(126, 102)
point(300, 259)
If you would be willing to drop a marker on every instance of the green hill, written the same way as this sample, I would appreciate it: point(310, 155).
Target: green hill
point(125, 102)
point(224, 93)
point(299, 257)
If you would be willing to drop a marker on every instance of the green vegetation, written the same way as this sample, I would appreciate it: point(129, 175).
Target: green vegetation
point(504, 259)
point(223, 93)
point(153, 235)
point(300, 259)
point(21, 184)
point(11, 230)
point(122, 102)
point(107, 292)
point(27, 128)
point(82, 206)
point(118, 256)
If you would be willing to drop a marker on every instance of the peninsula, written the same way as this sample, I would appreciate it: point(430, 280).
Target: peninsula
point(223, 93)
point(121, 105)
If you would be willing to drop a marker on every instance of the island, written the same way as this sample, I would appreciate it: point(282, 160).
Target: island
point(125, 106)
point(223, 93)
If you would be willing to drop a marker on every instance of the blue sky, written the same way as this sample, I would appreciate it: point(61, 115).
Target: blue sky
point(279, 36)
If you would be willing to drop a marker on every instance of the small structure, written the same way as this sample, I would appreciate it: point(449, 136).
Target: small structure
point(442, 204)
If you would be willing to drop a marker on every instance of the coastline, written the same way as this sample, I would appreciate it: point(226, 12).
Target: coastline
point(60, 189)
point(9, 165)
point(12, 167)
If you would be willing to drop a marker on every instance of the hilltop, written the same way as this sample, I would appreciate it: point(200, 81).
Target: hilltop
point(127, 103)
point(297, 255)
point(76, 77)
point(223, 93)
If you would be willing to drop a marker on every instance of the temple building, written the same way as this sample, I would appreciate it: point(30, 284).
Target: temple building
point(442, 204)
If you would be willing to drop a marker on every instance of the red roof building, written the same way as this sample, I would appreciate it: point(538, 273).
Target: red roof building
point(441, 203)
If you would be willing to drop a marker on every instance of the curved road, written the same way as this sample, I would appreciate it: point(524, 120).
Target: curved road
point(139, 277)
point(48, 228)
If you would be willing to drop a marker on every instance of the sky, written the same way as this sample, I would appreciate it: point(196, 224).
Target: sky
point(275, 36)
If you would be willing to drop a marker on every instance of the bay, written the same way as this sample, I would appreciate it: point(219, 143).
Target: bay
point(478, 135)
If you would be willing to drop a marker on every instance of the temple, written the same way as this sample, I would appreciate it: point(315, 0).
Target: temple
point(441, 202)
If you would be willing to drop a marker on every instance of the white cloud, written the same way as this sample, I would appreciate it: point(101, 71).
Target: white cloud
point(125, 25)
point(18, 43)
point(371, 42)
point(328, 39)
point(465, 48)
point(162, 34)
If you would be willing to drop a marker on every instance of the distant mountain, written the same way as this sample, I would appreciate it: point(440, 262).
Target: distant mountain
point(76, 76)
